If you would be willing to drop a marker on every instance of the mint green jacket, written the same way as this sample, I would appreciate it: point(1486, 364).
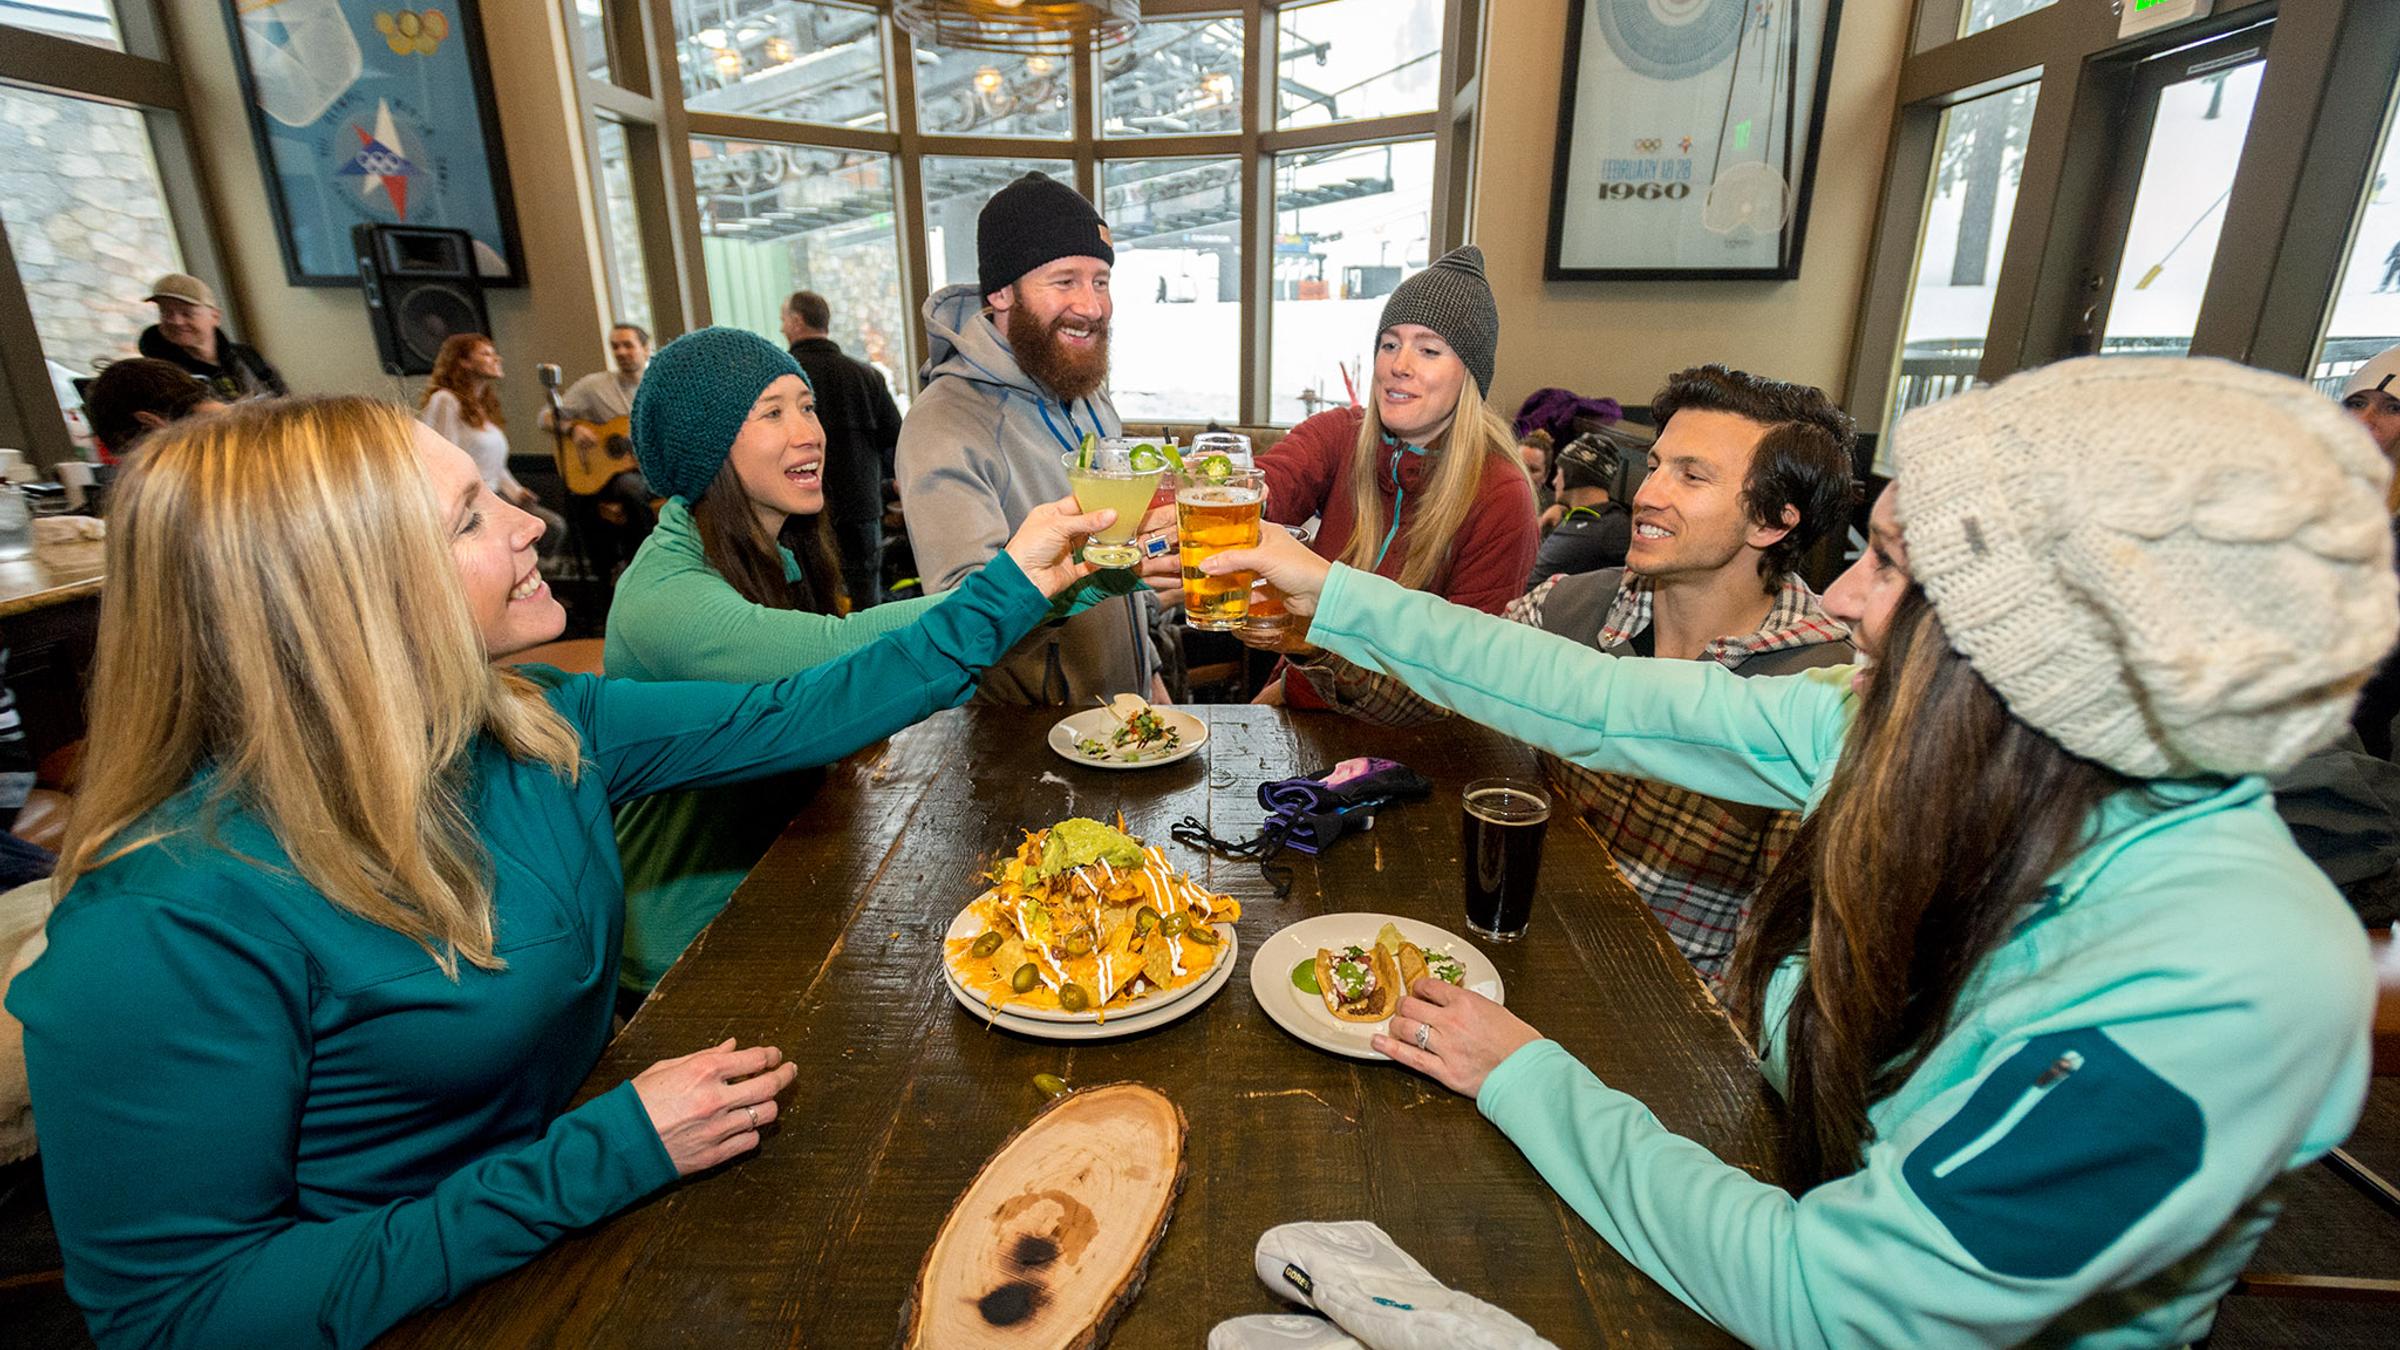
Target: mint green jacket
point(266, 1122)
point(2092, 1151)
point(675, 618)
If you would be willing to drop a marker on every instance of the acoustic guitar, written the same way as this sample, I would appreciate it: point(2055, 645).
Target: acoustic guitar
point(587, 468)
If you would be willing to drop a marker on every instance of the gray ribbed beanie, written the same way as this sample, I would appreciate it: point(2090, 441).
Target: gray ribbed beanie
point(2174, 567)
point(1452, 298)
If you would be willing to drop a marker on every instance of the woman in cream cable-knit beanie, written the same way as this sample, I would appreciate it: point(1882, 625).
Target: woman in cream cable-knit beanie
point(2053, 997)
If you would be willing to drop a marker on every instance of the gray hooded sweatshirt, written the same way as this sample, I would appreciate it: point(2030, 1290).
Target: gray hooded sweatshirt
point(979, 449)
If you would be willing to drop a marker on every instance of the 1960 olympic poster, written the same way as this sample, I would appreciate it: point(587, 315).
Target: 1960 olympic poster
point(1687, 137)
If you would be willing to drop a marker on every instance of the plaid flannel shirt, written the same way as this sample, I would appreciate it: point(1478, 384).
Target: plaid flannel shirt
point(1694, 860)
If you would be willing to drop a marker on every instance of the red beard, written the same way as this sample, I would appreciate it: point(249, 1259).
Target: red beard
point(1063, 370)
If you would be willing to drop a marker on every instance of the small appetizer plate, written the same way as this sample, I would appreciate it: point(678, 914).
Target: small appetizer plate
point(1303, 1014)
point(1099, 724)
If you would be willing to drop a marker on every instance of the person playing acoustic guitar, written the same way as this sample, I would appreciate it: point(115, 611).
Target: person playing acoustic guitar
point(591, 405)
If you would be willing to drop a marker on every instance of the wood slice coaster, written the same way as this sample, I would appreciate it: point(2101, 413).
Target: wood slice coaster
point(1050, 1243)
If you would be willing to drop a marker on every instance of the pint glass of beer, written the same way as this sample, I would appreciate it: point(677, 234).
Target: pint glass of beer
point(1215, 512)
point(1502, 828)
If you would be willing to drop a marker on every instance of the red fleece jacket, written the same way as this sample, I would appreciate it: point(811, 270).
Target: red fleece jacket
point(1308, 474)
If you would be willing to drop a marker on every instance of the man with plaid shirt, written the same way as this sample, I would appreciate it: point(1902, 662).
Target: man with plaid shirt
point(1746, 475)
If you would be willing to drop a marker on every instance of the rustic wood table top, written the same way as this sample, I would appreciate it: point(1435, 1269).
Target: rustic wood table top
point(832, 950)
point(49, 577)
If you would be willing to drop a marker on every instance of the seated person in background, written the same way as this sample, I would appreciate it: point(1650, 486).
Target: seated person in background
point(1423, 485)
point(2053, 1001)
point(461, 403)
point(597, 399)
point(1747, 475)
point(130, 399)
point(1591, 532)
point(1539, 455)
point(189, 333)
point(345, 891)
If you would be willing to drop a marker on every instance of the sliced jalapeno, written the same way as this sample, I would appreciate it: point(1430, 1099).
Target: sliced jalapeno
point(1072, 998)
point(1025, 978)
point(1145, 919)
point(1174, 924)
point(987, 944)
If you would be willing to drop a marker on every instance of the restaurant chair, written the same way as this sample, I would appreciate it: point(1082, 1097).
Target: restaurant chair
point(576, 656)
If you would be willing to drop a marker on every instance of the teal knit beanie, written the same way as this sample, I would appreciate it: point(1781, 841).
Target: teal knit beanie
point(695, 395)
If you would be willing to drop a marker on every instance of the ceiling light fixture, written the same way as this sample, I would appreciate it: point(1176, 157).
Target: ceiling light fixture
point(1021, 27)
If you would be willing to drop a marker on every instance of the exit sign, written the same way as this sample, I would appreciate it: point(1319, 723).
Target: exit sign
point(2148, 16)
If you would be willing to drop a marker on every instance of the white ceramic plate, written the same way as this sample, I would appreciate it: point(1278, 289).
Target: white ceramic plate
point(1099, 724)
point(1303, 1014)
point(965, 925)
point(1120, 1022)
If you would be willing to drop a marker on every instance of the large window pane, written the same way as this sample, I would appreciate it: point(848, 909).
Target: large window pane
point(92, 21)
point(591, 21)
point(1175, 344)
point(2178, 210)
point(805, 62)
point(956, 187)
point(779, 218)
point(87, 220)
point(1343, 60)
point(628, 280)
point(1982, 14)
point(1968, 211)
point(968, 93)
point(1174, 79)
point(2365, 315)
point(1349, 224)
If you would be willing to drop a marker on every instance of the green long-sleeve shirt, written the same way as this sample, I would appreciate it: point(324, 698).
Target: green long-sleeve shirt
point(266, 1122)
point(675, 618)
point(2091, 1151)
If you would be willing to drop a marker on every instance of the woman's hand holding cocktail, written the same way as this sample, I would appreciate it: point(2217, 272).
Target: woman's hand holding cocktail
point(1044, 546)
point(1281, 561)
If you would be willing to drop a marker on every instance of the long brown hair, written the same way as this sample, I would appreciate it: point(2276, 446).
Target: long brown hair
point(1944, 819)
point(283, 609)
point(1468, 446)
point(478, 398)
point(740, 550)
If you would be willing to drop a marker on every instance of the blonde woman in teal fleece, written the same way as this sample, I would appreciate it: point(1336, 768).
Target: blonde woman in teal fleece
point(2053, 999)
point(338, 932)
point(738, 582)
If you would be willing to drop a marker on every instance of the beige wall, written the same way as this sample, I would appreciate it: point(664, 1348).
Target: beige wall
point(318, 336)
point(1618, 338)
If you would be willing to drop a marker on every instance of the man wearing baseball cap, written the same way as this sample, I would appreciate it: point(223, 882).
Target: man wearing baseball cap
point(189, 333)
point(1595, 531)
point(1012, 384)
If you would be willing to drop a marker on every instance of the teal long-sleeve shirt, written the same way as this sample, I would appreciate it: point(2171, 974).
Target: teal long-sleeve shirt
point(266, 1122)
point(2091, 1152)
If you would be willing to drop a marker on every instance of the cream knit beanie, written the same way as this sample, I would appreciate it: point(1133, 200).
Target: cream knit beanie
point(2174, 567)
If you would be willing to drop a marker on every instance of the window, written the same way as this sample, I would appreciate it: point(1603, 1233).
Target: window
point(1346, 60)
point(2178, 211)
point(1982, 14)
point(955, 190)
point(1349, 224)
point(92, 21)
point(804, 62)
point(967, 93)
point(87, 219)
point(591, 16)
point(628, 281)
point(1972, 203)
point(1176, 341)
point(1174, 79)
point(2365, 315)
point(779, 218)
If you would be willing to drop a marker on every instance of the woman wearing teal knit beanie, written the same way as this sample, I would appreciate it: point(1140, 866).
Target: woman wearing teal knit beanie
point(738, 583)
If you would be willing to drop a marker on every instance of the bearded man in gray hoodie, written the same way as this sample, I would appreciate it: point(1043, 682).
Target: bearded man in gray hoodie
point(1012, 384)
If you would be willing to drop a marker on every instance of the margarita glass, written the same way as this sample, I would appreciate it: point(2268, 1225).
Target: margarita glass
point(1118, 475)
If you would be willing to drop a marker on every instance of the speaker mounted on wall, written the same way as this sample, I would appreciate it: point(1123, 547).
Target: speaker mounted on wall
point(421, 287)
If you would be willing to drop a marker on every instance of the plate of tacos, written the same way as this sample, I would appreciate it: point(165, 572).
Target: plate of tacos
point(1334, 980)
point(1084, 923)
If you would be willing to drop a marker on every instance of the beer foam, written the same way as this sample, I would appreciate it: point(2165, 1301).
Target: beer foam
point(1217, 496)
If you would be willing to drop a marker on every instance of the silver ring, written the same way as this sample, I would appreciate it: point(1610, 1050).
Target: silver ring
point(1424, 1036)
point(753, 1116)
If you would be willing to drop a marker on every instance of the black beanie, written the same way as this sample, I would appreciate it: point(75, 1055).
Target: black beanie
point(1032, 222)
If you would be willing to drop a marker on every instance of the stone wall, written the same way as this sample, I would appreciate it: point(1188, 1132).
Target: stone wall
point(85, 219)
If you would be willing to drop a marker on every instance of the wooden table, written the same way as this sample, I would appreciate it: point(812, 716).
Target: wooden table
point(831, 951)
point(45, 578)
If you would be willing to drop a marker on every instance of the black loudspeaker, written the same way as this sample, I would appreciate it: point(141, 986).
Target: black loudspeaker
point(421, 287)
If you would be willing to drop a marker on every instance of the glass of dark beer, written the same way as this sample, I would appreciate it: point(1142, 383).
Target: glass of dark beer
point(1500, 843)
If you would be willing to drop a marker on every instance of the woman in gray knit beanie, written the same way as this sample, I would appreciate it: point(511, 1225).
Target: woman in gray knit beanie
point(1422, 484)
point(2053, 998)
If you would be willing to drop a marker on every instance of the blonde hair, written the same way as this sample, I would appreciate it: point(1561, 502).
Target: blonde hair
point(1474, 438)
point(283, 609)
